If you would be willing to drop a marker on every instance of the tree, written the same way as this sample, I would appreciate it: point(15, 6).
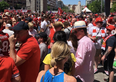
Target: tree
point(3, 5)
point(18, 6)
point(95, 6)
point(66, 9)
point(113, 9)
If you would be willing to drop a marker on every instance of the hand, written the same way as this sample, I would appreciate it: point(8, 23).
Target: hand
point(12, 40)
point(94, 38)
point(103, 58)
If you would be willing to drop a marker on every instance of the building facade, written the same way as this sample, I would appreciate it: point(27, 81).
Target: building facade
point(36, 5)
point(52, 3)
point(89, 1)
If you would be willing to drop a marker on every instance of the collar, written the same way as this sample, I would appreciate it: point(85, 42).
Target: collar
point(82, 39)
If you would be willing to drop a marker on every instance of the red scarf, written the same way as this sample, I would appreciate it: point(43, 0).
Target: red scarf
point(104, 42)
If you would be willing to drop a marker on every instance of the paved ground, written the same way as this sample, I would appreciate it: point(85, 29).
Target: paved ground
point(99, 77)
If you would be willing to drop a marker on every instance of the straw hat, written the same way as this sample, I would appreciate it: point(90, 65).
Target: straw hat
point(79, 24)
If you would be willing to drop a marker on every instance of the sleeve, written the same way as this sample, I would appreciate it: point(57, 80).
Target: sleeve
point(47, 59)
point(80, 54)
point(42, 48)
point(111, 42)
point(15, 71)
point(90, 31)
point(25, 52)
point(42, 26)
point(73, 57)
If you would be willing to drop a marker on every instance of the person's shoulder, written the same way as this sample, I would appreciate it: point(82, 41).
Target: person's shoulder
point(48, 55)
point(9, 59)
point(93, 27)
point(69, 78)
point(41, 73)
point(112, 37)
point(43, 45)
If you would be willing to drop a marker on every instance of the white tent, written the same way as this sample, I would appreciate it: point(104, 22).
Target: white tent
point(86, 10)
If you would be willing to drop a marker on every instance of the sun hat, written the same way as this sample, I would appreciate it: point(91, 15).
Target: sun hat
point(7, 14)
point(80, 24)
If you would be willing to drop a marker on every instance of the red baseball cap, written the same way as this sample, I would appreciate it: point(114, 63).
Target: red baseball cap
point(110, 27)
point(99, 19)
point(96, 15)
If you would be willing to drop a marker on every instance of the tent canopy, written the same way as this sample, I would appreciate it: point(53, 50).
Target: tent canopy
point(86, 10)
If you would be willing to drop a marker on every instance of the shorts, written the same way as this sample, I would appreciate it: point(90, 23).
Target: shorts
point(108, 63)
point(98, 52)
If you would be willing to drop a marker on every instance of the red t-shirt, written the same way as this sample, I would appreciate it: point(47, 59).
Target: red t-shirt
point(52, 31)
point(8, 69)
point(5, 44)
point(30, 52)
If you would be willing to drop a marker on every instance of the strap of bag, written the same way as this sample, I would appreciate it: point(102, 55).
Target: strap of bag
point(43, 77)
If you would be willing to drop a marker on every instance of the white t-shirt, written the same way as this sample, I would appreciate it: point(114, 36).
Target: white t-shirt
point(99, 36)
point(33, 32)
point(89, 26)
point(9, 32)
point(72, 50)
point(44, 25)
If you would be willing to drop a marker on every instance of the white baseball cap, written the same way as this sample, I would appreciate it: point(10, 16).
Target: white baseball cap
point(8, 25)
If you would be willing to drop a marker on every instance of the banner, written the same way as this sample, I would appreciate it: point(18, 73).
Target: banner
point(60, 11)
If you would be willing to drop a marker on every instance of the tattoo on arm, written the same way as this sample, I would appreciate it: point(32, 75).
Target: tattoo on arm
point(107, 52)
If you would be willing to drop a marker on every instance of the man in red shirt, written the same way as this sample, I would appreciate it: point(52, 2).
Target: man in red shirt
point(8, 69)
point(27, 58)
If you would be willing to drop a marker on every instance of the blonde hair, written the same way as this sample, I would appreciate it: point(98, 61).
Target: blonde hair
point(60, 50)
point(30, 24)
point(58, 24)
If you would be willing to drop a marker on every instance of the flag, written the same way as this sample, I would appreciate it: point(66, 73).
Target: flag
point(60, 11)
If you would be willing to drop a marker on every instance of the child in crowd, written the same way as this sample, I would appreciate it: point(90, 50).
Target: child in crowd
point(42, 40)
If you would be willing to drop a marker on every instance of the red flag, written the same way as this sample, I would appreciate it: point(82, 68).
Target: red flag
point(60, 11)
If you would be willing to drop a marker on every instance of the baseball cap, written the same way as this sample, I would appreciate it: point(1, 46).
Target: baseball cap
point(110, 27)
point(80, 24)
point(42, 35)
point(8, 25)
point(28, 19)
point(20, 26)
point(96, 15)
point(99, 19)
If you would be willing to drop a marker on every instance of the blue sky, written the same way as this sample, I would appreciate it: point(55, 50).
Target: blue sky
point(74, 2)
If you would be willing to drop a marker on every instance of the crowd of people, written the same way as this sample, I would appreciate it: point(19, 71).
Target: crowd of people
point(52, 47)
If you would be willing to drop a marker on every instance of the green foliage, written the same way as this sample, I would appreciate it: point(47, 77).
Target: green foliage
point(113, 9)
point(95, 6)
point(18, 6)
point(48, 7)
point(66, 9)
point(3, 5)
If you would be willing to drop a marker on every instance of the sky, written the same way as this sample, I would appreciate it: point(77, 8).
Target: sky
point(83, 2)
